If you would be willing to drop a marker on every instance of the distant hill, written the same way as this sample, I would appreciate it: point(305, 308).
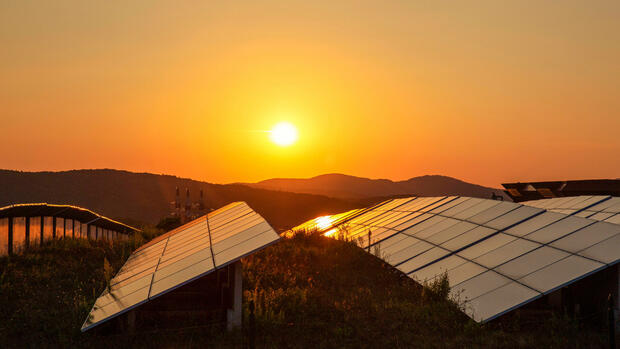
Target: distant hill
point(350, 187)
point(144, 197)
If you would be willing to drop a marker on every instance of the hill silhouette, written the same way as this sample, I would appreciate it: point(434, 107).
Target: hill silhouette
point(351, 187)
point(144, 197)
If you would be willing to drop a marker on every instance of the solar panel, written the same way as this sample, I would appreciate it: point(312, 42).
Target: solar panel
point(181, 256)
point(435, 270)
point(560, 273)
point(582, 206)
point(588, 236)
point(558, 229)
point(533, 260)
point(479, 285)
point(502, 254)
point(454, 230)
point(605, 251)
point(464, 272)
point(614, 219)
point(499, 301)
point(497, 255)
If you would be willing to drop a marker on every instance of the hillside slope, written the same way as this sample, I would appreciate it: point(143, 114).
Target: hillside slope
point(146, 197)
point(347, 187)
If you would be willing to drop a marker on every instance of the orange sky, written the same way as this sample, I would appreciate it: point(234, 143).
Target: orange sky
point(484, 91)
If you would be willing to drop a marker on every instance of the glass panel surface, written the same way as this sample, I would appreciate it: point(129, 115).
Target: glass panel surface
point(558, 229)
point(467, 238)
point(605, 206)
point(437, 269)
point(505, 253)
point(451, 232)
point(600, 216)
point(112, 309)
point(240, 237)
point(423, 259)
point(614, 219)
point(494, 212)
point(244, 248)
point(589, 202)
point(575, 201)
point(414, 230)
point(477, 286)
point(394, 217)
point(167, 270)
point(117, 291)
point(464, 272)
point(606, 251)
point(487, 245)
point(233, 229)
point(416, 204)
point(400, 254)
point(413, 221)
point(482, 206)
point(438, 227)
point(460, 207)
point(560, 273)
point(587, 236)
point(535, 223)
point(498, 301)
point(398, 242)
point(448, 205)
point(530, 262)
point(176, 279)
point(437, 204)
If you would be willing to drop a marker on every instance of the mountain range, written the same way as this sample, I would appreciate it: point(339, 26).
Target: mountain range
point(351, 187)
point(138, 198)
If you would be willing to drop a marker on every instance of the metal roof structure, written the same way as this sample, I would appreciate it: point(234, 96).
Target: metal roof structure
point(181, 256)
point(66, 211)
point(497, 255)
point(519, 192)
point(600, 207)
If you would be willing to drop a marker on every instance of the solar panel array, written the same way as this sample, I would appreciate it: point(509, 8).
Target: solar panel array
point(497, 255)
point(181, 256)
point(598, 207)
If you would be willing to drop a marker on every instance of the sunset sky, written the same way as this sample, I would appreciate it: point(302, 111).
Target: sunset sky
point(484, 91)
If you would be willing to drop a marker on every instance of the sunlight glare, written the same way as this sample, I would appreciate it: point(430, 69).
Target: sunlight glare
point(283, 134)
point(323, 222)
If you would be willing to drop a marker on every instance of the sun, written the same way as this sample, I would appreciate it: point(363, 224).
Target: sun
point(283, 134)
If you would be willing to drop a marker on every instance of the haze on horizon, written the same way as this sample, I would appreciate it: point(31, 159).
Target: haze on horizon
point(484, 91)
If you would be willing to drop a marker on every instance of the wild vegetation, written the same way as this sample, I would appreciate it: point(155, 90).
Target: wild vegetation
point(308, 291)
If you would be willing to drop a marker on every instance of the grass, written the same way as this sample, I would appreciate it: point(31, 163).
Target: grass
point(308, 291)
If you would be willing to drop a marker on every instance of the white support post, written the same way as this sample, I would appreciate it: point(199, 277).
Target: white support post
point(234, 315)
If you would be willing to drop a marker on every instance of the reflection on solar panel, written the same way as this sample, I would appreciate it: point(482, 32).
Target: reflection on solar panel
point(598, 207)
point(497, 255)
point(181, 256)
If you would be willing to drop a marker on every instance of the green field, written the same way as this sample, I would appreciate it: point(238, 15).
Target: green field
point(309, 291)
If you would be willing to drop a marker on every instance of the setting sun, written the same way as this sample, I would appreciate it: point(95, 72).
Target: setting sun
point(283, 134)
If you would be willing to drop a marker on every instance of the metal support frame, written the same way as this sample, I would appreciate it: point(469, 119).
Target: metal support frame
point(10, 246)
point(27, 223)
point(53, 227)
point(42, 227)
